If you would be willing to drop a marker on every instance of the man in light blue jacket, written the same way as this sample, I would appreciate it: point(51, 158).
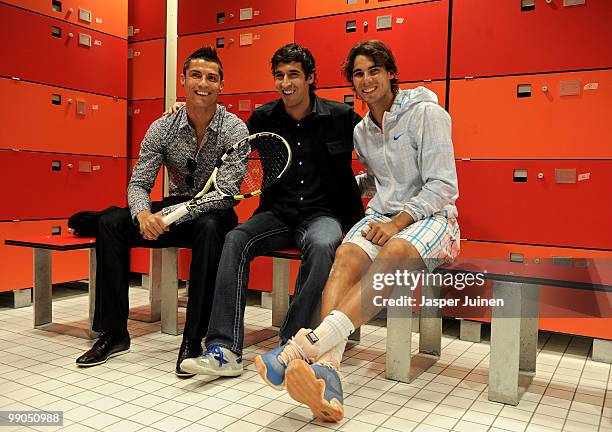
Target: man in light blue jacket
point(410, 225)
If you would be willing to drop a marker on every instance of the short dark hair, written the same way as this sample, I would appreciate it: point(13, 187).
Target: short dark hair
point(296, 53)
point(379, 53)
point(208, 54)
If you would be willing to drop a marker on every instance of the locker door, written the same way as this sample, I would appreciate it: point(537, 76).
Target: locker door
point(245, 55)
point(346, 94)
point(315, 8)
point(547, 202)
point(103, 16)
point(58, 185)
point(146, 19)
point(193, 18)
point(16, 262)
point(146, 69)
point(243, 105)
point(157, 192)
point(500, 38)
point(140, 116)
point(52, 52)
point(417, 35)
point(65, 121)
point(552, 116)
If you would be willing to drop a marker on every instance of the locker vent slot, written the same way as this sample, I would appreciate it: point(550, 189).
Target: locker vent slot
point(81, 107)
point(244, 105)
point(384, 22)
point(517, 257)
point(56, 165)
point(85, 166)
point(85, 15)
point(220, 17)
point(351, 26)
point(565, 176)
point(246, 39)
point(84, 39)
point(567, 3)
point(56, 5)
point(570, 87)
point(562, 261)
point(349, 100)
point(56, 32)
point(523, 90)
point(56, 99)
point(56, 230)
point(220, 42)
point(520, 176)
point(246, 14)
point(351, 2)
point(527, 5)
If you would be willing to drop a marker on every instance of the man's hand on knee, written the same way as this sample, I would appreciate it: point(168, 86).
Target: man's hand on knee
point(151, 225)
point(379, 233)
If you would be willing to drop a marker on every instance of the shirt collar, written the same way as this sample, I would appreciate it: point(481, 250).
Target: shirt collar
point(398, 101)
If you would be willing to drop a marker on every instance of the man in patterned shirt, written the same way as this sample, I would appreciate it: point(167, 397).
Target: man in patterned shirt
point(187, 143)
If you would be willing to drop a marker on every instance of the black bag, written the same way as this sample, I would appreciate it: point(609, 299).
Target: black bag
point(85, 223)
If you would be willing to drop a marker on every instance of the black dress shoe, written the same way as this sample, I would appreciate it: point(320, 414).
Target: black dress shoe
point(107, 346)
point(190, 348)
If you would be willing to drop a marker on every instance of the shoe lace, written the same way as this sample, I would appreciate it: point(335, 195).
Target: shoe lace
point(217, 353)
point(292, 351)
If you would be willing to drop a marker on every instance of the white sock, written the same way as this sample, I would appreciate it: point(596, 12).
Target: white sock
point(334, 355)
point(335, 328)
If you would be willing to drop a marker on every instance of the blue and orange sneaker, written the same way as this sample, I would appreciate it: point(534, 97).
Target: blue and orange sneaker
point(272, 365)
point(318, 386)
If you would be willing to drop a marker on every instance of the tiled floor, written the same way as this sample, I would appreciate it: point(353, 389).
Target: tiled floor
point(139, 391)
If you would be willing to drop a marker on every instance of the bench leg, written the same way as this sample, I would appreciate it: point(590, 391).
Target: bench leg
point(42, 287)
point(470, 331)
point(22, 297)
point(155, 284)
point(602, 350)
point(280, 290)
point(530, 309)
point(430, 339)
point(399, 344)
point(506, 341)
point(168, 275)
point(92, 291)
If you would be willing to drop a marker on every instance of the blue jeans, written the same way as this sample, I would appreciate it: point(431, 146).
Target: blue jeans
point(261, 234)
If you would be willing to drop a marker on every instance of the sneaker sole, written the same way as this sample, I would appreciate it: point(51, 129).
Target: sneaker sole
point(198, 370)
point(115, 354)
point(304, 387)
point(263, 373)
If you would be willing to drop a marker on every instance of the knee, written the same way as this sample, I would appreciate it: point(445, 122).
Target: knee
point(321, 244)
point(398, 249)
point(236, 238)
point(348, 254)
point(207, 225)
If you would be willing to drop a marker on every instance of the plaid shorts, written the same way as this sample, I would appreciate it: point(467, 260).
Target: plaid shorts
point(436, 238)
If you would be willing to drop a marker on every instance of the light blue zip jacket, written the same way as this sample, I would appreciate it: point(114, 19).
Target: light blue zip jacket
point(410, 163)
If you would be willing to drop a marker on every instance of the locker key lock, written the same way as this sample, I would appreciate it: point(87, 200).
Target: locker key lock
point(540, 176)
point(70, 166)
point(549, 1)
point(70, 35)
point(365, 23)
point(545, 89)
point(230, 106)
point(70, 10)
point(70, 100)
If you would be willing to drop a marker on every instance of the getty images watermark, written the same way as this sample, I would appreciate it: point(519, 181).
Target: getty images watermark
point(411, 279)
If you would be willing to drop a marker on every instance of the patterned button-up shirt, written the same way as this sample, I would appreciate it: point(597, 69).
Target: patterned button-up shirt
point(171, 141)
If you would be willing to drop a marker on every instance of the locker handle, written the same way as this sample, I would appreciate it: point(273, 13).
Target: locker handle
point(527, 5)
point(351, 26)
point(56, 99)
point(56, 230)
point(520, 176)
point(523, 90)
point(56, 32)
point(56, 165)
point(220, 17)
point(56, 5)
point(517, 257)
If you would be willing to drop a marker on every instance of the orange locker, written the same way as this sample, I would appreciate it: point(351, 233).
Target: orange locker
point(52, 119)
point(103, 16)
point(245, 55)
point(140, 116)
point(539, 202)
point(551, 116)
point(347, 95)
point(193, 18)
point(146, 69)
point(16, 270)
point(559, 307)
point(58, 185)
point(503, 38)
point(146, 19)
point(416, 33)
point(315, 8)
point(53, 52)
point(243, 105)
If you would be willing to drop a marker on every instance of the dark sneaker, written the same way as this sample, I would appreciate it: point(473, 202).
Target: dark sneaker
point(107, 346)
point(190, 348)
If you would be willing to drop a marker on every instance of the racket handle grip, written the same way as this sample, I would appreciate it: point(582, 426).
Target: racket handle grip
point(176, 214)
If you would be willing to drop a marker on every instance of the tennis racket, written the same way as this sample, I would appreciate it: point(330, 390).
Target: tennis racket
point(268, 156)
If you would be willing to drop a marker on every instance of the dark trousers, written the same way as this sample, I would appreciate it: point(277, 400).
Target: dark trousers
point(117, 233)
point(263, 233)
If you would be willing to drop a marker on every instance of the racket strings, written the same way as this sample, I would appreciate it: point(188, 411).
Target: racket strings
point(265, 163)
